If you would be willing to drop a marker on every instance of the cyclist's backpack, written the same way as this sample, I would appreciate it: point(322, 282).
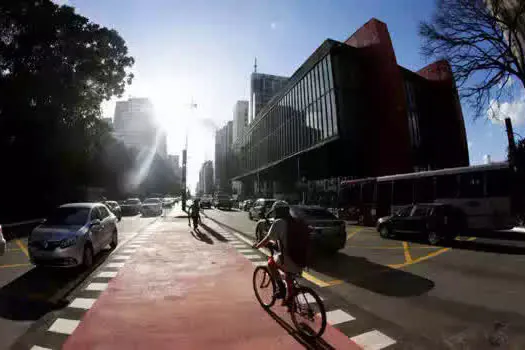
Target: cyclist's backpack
point(299, 242)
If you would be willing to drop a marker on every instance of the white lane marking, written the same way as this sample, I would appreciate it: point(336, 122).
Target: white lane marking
point(116, 264)
point(121, 257)
point(373, 340)
point(309, 298)
point(36, 347)
point(97, 286)
point(133, 246)
point(82, 303)
point(245, 250)
point(64, 326)
point(338, 316)
point(252, 256)
point(260, 263)
point(107, 274)
point(235, 244)
point(128, 251)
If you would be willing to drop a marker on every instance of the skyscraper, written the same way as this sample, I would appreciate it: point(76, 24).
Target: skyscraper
point(223, 157)
point(240, 119)
point(262, 88)
point(134, 125)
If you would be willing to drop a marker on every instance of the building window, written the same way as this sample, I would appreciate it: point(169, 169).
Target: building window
point(334, 112)
point(326, 73)
point(330, 76)
point(328, 114)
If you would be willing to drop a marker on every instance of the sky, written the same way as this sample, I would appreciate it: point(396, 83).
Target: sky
point(203, 51)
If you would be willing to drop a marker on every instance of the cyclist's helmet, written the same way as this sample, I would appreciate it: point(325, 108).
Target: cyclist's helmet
point(281, 209)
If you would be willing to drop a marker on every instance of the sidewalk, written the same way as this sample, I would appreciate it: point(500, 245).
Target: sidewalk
point(180, 291)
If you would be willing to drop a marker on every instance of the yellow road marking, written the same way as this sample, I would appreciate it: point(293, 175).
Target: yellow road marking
point(13, 265)
point(352, 234)
point(22, 247)
point(386, 247)
point(408, 258)
point(314, 280)
point(13, 249)
point(423, 258)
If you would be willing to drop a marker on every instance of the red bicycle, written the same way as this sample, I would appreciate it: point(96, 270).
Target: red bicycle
point(305, 306)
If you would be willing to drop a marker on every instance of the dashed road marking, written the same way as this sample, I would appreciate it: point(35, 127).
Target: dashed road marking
point(121, 257)
point(338, 316)
point(115, 265)
point(64, 326)
point(82, 303)
point(36, 347)
point(373, 340)
point(252, 256)
point(97, 286)
point(107, 274)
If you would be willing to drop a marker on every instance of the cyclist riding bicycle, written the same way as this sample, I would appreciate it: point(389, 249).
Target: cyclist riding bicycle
point(283, 228)
point(194, 213)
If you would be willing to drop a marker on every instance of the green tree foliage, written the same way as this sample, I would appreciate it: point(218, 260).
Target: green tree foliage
point(56, 67)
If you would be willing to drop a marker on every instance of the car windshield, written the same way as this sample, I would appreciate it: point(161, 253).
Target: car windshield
point(111, 204)
point(68, 216)
point(316, 213)
point(151, 201)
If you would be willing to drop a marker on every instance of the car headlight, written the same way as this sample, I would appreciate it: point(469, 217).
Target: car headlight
point(68, 242)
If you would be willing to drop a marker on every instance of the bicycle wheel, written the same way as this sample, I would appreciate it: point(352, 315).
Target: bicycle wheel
point(264, 286)
point(308, 313)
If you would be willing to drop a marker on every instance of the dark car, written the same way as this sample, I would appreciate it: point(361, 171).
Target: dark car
point(436, 221)
point(260, 208)
point(328, 232)
point(115, 209)
point(131, 206)
point(223, 201)
point(205, 202)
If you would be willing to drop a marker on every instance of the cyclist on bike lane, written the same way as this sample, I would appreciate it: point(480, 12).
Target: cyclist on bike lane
point(194, 213)
point(280, 232)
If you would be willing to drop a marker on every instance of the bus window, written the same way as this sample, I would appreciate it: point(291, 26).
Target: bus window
point(424, 189)
point(368, 192)
point(471, 185)
point(403, 192)
point(498, 183)
point(446, 186)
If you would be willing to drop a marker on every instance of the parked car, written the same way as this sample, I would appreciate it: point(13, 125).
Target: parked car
point(205, 202)
point(151, 206)
point(328, 232)
point(131, 206)
point(3, 243)
point(245, 205)
point(115, 209)
point(73, 235)
point(167, 202)
point(436, 221)
point(223, 201)
point(260, 208)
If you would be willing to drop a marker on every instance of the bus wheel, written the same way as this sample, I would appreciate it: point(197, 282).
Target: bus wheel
point(384, 231)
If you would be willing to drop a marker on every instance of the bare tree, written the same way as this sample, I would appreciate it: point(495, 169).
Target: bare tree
point(484, 41)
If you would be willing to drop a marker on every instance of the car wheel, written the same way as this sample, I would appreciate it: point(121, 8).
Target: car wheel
point(114, 240)
point(385, 232)
point(87, 257)
point(433, 238)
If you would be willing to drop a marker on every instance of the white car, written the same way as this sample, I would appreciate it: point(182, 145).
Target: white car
point(151, 206)
point(2, 242)
point(72, 235)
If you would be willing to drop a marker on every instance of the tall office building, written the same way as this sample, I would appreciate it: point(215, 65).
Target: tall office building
point(223, 157)
point(175, 164)
point(262, 88)
point(134, 125)
point(240, 119)
point(205, 184)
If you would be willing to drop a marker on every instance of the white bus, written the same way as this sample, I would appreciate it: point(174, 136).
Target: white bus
point(482, 192)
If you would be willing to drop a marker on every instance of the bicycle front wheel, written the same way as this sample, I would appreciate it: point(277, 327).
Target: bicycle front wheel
point(264, 286)
point(308, 313)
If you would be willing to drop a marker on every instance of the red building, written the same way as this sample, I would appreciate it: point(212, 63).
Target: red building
point(351, 111)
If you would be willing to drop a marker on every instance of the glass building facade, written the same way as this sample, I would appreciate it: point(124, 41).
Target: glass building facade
point(302, 117)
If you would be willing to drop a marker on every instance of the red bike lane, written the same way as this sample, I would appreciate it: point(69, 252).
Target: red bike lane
point(188, 291)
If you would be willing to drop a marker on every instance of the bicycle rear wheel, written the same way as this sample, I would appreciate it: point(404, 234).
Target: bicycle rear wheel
point(264, 286)
point(308, 313)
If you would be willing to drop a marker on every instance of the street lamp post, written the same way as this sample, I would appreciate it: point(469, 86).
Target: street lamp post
point(193, 106)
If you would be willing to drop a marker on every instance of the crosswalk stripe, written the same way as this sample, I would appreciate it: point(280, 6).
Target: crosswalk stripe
point(373, 340)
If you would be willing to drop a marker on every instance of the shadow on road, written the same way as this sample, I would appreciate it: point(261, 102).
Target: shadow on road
point(201, 236)
point(375, 277)
point(41, 290)
point(214, 233)
point(308, 343)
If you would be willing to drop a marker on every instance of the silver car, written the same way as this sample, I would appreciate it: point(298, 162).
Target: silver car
point(151, 206)
point(72, 235)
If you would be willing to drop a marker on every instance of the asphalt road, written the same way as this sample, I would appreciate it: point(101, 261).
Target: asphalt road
point(28, 293)
point(467, 295)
